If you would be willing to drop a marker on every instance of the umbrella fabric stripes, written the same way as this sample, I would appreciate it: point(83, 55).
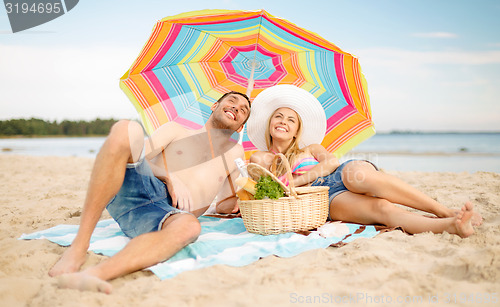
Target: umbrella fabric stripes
point(191, 59)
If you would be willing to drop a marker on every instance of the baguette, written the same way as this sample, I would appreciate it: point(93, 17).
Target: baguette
point(247, 184)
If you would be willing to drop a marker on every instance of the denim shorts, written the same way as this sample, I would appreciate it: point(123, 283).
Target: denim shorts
point(143, 202)
point(334, 181)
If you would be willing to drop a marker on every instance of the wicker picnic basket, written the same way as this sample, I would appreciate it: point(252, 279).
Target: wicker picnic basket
point(303, 209)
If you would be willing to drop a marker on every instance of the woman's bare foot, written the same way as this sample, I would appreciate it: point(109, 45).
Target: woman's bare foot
point(476, 219)
point(83, 282)
point(70, 262)
point(463, 221)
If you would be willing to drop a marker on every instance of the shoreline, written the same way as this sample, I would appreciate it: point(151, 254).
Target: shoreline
point(365, 153)
point(42, 192)
point(424, 154)
point(378, 133)
point(57, 136)
point(392, 162)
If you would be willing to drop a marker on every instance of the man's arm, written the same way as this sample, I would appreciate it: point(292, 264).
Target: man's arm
point(154, 146)
point(226, 199)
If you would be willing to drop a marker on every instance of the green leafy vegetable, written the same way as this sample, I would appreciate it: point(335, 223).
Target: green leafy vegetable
point(267, 187)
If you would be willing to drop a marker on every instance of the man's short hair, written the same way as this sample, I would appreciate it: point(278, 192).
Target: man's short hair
point(236, 93)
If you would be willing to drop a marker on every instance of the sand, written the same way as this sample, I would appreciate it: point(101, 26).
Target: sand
point(392, 268)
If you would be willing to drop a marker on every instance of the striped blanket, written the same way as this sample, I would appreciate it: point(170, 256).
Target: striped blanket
point(222, 241)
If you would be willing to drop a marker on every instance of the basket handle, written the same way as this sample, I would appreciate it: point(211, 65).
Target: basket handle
point(284, 160)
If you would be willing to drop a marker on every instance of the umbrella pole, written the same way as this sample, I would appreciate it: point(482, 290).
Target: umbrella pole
point(250, 85)
point(251, 81)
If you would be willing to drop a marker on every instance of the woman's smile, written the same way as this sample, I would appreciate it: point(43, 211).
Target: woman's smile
point(284, 123)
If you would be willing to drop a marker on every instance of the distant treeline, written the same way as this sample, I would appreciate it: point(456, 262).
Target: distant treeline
point(39, 127)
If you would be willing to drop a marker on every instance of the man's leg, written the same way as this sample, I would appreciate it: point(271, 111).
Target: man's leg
point(123, 145)
point(141, 252)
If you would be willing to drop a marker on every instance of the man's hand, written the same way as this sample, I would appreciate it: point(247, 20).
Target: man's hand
point(227, 206)
point(236, 208)
point(181, 196)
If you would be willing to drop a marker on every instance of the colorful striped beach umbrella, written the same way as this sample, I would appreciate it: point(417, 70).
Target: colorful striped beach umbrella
point(191, 59)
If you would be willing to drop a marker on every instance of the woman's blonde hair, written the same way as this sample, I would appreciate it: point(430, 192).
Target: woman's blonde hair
point(293, 149)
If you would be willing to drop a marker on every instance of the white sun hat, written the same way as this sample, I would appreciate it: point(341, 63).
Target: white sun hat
point(301, 101)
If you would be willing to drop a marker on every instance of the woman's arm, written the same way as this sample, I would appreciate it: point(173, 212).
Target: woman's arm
point(327, 164)
point(262, 158)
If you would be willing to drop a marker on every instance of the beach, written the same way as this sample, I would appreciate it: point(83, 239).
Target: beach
point(393, 268)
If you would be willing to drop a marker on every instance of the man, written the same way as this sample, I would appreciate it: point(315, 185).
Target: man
point(156, 199)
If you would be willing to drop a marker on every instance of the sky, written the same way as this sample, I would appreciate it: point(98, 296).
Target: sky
point(431, 65)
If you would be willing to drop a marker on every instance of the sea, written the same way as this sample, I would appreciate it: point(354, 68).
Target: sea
point(429, 152)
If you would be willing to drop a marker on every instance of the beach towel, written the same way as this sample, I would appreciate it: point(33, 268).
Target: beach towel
point(222, 241)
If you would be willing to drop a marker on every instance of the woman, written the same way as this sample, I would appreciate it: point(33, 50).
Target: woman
point(359, 192)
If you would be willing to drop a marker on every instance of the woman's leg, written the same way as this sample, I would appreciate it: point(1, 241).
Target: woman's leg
point(361, 177)
point(363, 209)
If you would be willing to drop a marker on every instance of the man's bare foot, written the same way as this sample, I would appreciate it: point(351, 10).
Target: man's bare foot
point(463, 221)
point(476, 219)
point(70, 261)
point(83, 282)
